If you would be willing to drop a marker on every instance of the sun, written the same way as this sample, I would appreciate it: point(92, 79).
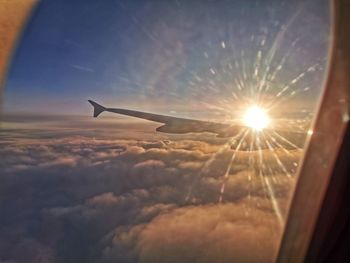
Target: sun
point(256, 118)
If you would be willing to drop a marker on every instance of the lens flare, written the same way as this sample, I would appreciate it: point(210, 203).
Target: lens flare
point(256, 118)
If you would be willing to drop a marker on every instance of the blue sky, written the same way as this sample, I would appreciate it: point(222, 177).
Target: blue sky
point(165, 56)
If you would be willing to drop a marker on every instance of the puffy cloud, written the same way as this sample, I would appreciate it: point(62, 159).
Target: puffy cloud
point(72, 198)
point(149, 163)
point(155, 144)
point(206, 233)
point(30, 250)
point(105, 199)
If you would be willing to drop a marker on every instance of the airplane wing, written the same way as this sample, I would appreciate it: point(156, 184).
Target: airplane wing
point(173, 124)
point(277, 137)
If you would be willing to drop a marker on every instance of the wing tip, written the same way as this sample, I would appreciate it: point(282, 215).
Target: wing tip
point(98, 109)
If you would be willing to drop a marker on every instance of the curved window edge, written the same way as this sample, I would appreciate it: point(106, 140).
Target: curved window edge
point(306, 227)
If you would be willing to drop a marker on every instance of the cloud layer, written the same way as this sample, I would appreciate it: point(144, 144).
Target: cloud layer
point(70, 198)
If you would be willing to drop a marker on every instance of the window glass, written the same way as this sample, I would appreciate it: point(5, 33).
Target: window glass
point(242, 80)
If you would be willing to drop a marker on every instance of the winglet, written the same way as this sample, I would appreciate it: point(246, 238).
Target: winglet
point(98, 109)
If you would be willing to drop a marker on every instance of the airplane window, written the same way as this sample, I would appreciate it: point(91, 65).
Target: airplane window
point(157, 131)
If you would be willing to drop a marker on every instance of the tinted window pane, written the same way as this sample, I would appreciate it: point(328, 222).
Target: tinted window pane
point(242, 80)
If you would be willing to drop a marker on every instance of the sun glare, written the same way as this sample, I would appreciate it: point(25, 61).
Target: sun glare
point(256, 118)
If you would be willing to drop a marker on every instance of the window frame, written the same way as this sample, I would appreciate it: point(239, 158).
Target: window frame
point(318, 200)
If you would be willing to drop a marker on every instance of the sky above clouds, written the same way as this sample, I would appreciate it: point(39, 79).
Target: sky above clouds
point(183, 56)
point(112, 189)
